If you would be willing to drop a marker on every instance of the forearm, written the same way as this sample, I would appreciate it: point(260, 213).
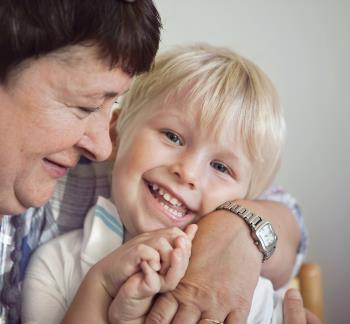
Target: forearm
point(91, 303)
point(225, 266)
point(228, 239)
point(280, 266)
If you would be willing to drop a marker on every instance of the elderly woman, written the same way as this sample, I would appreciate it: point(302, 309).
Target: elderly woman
point(63, 64)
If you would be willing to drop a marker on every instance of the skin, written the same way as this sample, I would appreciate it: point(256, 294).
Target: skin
point(200, 294)
point(194, 298)
point(42, 103)
point(294, 312)
point(153, 275)
point(169, 154)
point(232, 265)
point(59, 106)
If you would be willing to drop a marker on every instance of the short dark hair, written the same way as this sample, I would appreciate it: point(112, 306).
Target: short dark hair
point(126, 33)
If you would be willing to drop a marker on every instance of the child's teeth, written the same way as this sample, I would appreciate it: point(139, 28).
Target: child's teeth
point(174, 201)
point(166, 196)
point(172, 211)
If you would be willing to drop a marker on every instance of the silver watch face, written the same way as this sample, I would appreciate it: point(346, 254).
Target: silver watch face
point(267, 236)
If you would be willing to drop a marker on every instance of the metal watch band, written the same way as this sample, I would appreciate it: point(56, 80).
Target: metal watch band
point(254, 221)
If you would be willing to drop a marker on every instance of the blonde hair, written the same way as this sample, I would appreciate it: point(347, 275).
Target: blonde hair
point(232, 91)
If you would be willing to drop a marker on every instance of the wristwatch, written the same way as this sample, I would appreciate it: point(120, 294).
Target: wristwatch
point(264, 236)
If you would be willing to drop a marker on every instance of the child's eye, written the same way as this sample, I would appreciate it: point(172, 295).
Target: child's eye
point(173, 137)
point(115, 104)
point(220, 167)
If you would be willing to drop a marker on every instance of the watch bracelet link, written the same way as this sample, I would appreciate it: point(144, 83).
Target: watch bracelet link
point(254, 221)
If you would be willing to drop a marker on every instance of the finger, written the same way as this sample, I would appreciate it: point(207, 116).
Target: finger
point(311, 318)
point(183, 243)
point(149, 254)
point(187, 314)
point(151, 281)
point(163, 310)
point(164, 248)
point(293, 309)
point(191, 231)
point(176, 271)
point(208, 320)
point(236, 317)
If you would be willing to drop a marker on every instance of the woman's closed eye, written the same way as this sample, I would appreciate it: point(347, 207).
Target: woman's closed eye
point(173, 137)
point(83, 112)
point(88, 110)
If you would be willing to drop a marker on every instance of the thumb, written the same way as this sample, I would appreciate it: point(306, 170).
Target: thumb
point(293, 309)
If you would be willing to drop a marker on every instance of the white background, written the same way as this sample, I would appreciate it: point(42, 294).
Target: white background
point(304, 46)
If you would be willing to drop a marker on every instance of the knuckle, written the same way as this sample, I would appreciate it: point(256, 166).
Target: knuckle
point(175, 231)
point(169, 285)
point(140, 248)
point(294, 305)
point(172, 285)
point(155, 318)
point(162, 241)
point(242, 308)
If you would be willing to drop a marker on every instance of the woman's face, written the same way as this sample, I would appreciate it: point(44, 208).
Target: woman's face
point(53, 111)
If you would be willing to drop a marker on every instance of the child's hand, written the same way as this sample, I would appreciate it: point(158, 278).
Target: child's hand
point(135, 295)
point(164, 250)
point(176, 263)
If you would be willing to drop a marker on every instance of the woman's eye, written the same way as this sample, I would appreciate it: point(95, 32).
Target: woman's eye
point(173, 137)
point(220, 167)
point(88, 110)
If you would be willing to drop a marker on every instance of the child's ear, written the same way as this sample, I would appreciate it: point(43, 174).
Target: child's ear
point(113, 134)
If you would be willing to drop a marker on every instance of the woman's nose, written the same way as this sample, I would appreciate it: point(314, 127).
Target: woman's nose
point(95, 144)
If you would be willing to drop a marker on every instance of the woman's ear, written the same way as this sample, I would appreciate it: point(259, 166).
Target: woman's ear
point(113, 134)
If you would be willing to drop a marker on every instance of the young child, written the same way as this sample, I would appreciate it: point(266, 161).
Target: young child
point(203, 127)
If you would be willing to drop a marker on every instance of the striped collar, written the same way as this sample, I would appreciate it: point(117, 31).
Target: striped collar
point(103, 231)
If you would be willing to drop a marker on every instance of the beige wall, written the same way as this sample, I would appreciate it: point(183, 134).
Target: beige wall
point(305, 48)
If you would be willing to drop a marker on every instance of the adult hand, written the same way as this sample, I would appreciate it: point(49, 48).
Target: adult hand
point(294, 311)
point(221, 278)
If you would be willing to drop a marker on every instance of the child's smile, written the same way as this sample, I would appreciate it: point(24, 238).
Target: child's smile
point(171, 204)
point(169, 171)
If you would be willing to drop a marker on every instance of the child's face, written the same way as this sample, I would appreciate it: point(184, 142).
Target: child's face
point(169, 171)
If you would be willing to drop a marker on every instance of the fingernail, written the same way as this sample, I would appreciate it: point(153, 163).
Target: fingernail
point(293, 294)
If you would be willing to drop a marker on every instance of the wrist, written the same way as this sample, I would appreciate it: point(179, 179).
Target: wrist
point(222, 225)
point(262, 232)
point(99, 276)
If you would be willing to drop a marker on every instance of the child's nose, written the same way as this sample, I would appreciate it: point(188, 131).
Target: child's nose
point(187, 171)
